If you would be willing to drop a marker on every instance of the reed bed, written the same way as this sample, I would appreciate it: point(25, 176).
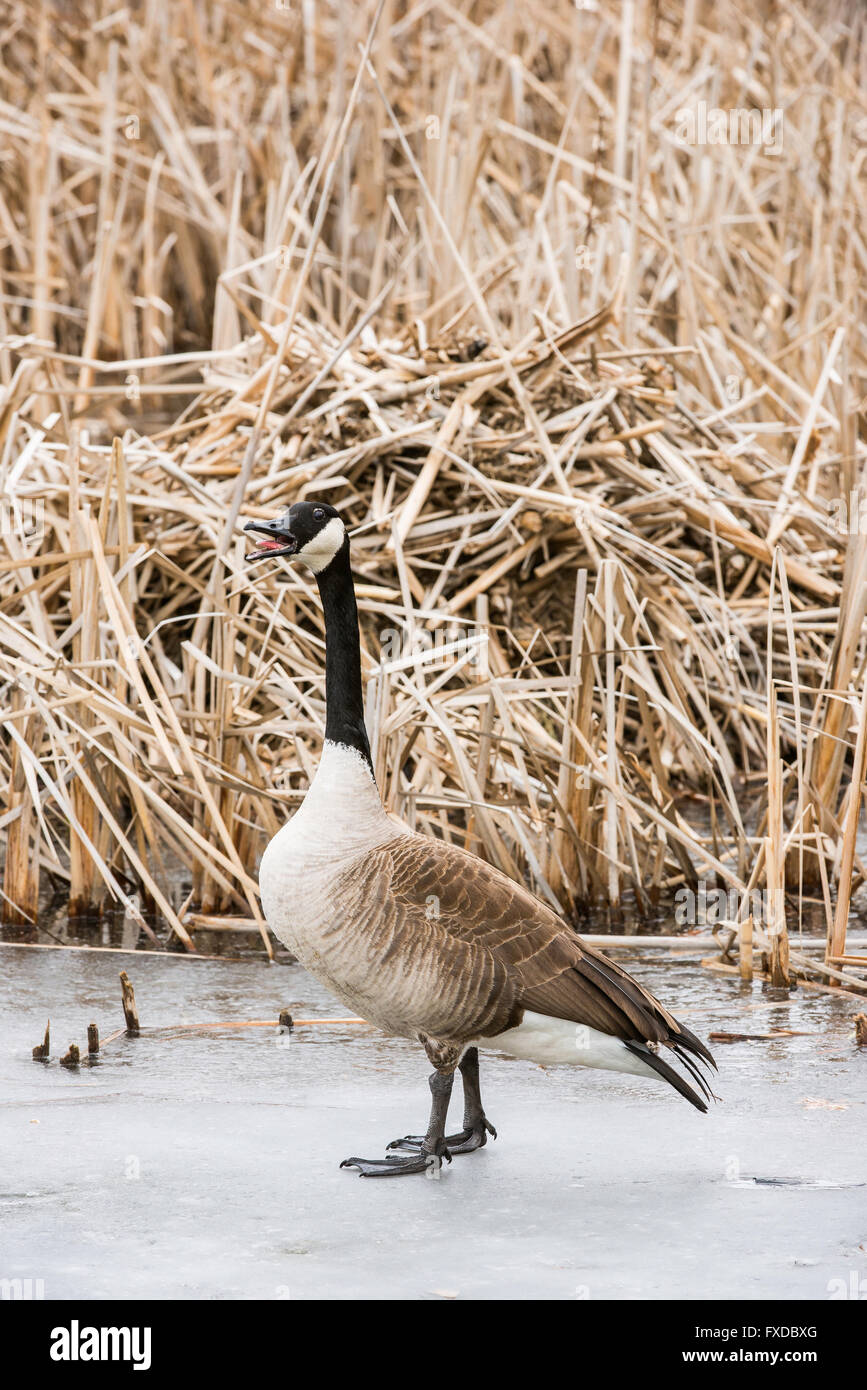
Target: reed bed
point(588, 394)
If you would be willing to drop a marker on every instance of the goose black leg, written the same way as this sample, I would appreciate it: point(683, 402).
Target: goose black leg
point(477, 1127)
point(431, 1150)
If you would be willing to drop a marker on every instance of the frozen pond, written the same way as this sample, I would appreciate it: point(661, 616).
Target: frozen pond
point(206, 1165)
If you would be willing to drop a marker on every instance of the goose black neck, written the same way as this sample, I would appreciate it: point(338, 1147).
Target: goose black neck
point(344, 705)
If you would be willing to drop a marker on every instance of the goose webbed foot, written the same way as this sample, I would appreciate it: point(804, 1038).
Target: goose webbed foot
point(473, 1136)
point(432, 1148)
point(427, 1161)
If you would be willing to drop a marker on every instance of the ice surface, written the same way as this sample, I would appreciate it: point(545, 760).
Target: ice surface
point(206, 1166)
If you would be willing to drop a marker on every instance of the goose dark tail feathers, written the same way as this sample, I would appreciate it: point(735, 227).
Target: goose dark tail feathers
point(681, 1044)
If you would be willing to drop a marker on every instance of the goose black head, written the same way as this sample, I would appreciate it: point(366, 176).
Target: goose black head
point(308, 531)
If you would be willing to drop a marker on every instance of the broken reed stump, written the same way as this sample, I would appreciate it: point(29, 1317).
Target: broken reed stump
point(72, 1058)
point(130, 1012)
point(92, 1040)
point(42, 1050)
point(779, 963)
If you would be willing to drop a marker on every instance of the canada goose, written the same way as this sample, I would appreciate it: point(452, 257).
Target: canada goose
point(421, 938)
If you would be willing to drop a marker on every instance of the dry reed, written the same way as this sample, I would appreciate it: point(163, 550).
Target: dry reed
point(587, 393)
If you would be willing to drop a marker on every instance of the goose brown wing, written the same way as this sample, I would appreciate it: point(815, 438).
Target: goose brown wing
point(438, 888)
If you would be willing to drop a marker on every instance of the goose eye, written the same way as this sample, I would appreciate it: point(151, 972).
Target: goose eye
point(318, 513)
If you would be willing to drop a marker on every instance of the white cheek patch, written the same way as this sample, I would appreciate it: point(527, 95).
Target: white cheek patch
point(319, 552)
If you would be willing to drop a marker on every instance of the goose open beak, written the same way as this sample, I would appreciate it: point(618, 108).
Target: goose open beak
point(272, 538)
